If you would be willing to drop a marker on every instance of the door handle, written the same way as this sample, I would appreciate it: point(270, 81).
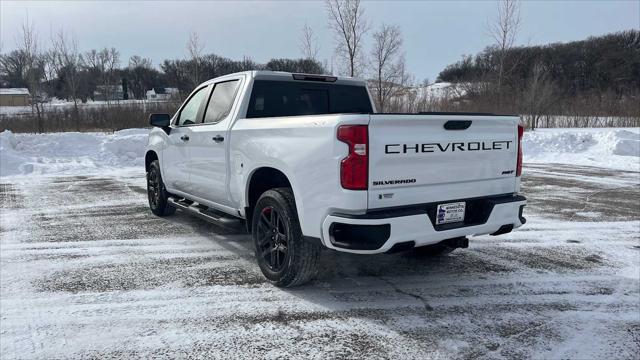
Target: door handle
point(184, 138)
point(218, 139)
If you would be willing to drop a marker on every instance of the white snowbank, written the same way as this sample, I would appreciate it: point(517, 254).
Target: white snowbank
point(615, 148)
point(59, 105)
point(85, 152)
point(70, 152)
point(444, 90)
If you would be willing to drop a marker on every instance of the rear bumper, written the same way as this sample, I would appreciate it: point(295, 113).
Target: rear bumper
point(379, 231)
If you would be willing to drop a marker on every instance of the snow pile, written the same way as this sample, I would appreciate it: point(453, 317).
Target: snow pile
point(128, 145)
point(444, 90)
point(84, 152)
point(606, 147)
point(627, 144)
point(55, 104)
point(70, 152)
point(10, 159)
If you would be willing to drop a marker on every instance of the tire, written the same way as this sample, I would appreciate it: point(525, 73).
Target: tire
point(433, 250)
point(157, 193)
point(284, 257)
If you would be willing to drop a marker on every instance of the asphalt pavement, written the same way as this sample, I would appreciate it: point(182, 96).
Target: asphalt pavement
point(86, 271)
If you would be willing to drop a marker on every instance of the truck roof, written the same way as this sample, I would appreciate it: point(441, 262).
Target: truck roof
point(287, 76)
point(342, 80)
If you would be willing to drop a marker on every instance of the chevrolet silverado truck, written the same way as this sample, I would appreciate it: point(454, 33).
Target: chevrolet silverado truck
point(306, 163)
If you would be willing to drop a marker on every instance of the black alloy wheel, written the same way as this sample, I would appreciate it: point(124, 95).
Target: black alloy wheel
point(273, 241)
point(285, 257)
point(156, 192)
point(153, 188)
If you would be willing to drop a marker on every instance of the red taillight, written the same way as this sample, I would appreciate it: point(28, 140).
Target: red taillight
point(355, 167)
point(519, 164)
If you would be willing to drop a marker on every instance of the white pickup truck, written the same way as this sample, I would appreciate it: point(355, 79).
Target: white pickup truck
point(306, 163)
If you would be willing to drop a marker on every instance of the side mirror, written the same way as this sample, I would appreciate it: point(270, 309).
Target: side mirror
point(160, 120)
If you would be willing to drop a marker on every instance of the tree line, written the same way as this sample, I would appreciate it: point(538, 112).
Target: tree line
point(608, 63)
point(596, 77)
point(65, 73)
point(599, 76)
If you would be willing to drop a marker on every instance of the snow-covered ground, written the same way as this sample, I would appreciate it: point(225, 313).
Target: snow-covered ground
point(73, 153)
point(66, 153)
point(86, 271)
point(58, 105)
point(603, 147)
point(444, 90)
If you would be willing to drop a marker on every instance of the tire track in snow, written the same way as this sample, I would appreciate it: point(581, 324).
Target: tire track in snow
point(526, 294)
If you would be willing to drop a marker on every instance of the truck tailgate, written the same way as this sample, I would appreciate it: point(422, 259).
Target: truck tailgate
point(415, 159)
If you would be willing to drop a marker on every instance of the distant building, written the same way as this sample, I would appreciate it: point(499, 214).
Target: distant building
point(163, 94)
point(14, 97)
point(108, 93)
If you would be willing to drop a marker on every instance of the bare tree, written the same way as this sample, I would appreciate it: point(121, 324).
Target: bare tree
point(504, 30)
point(103, 64)
point(346, 19)
point(67, 61)
point(402, 93)
point(138, 61)
point(538, 95)
point(387, 63)
point(91, 59)
point(13, 67)
point(195, 48)
point(110, 58)
point(309, 43)
point(27, 43)
point(141, 76)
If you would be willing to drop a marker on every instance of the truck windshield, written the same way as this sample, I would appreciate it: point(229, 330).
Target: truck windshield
point(292, 98)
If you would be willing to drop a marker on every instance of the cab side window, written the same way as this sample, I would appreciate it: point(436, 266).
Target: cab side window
point(190, 110)
point(221, 101)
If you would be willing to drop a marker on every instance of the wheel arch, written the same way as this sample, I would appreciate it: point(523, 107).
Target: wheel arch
point(260, 180)
point(149, 157)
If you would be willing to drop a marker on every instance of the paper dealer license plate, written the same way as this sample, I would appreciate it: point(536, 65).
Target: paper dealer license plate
point(449, 213)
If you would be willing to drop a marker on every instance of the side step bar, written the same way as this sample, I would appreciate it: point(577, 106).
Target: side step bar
point(203, 212)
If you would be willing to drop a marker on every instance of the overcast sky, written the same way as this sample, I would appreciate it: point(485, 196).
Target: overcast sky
point(436, 33)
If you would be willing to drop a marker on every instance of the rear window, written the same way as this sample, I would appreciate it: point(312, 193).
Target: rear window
point(292, 98)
